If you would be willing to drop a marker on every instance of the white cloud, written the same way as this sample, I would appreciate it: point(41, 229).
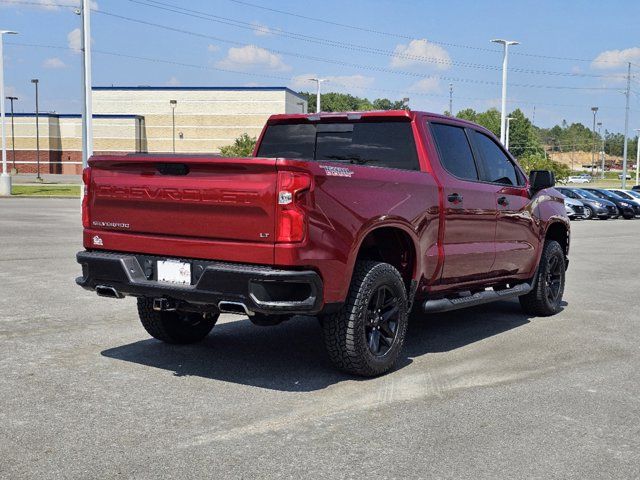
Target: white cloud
point(420, 52)
point(173, 82)
point(249, 57)
point(426, 85)
point(53, 62)
point(336, 83)
point(261, 30)
point(213, 48)
point(616, 58)
point(74, 39)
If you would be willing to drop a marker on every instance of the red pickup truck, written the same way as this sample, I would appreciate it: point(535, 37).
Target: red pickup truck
point(356, 218)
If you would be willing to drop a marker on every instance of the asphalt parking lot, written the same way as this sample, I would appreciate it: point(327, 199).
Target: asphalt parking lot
point(481, 393)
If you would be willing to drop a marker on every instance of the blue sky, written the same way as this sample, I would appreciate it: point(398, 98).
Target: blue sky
point(400, 48)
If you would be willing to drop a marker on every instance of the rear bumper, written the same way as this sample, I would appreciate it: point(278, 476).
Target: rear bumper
point(261, 289)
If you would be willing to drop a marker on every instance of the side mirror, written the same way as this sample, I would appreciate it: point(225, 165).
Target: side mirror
point(541, 179)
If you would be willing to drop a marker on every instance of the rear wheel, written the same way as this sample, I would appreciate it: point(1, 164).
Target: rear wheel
point(546, 296)
point(175, 327)
point(365, 337)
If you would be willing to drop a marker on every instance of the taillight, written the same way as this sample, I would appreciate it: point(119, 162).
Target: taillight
point(291, 219)
point(86, 180)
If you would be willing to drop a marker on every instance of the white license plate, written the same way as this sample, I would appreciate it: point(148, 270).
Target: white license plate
point(171, 271)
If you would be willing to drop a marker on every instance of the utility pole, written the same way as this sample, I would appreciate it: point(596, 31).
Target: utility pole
point(601, 151)
point(5, 179)
point(505, 59)
point(35, 81)
point(506, 143)
point(626, 128)
point(14, 170)
point(593, 147)
point(87, 107)
point(638, 157)
point(318, 81)
point(174, 104)
point(451, 100)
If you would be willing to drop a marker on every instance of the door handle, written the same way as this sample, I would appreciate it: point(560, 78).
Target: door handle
point(454, 198)
point(504, 201)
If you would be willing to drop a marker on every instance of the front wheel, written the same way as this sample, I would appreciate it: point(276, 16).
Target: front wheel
point(365, 337)
point(588, 213)
point(175, 327)
point(546, 297)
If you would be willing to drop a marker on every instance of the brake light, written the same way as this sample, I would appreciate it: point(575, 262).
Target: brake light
point(86, 180)
point(291, 223)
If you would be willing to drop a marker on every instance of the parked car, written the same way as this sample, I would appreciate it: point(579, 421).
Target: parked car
point(626, 209)
point(352, 217)
point(574, 208)
point(621, 175)
point(593, 206)
point(636, 188)
point(579, 179)
point(628, 195)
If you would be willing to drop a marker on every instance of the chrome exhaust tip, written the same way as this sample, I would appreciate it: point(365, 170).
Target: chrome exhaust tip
point(234, 307)
point(109, 292)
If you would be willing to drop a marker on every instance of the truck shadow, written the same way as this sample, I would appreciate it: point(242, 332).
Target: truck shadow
point(291, 357)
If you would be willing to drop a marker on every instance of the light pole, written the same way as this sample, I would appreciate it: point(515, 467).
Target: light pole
point(318, 81)
point(593, 148)
point(87, 105)
point(5, 179)
point(405, 103)
point(638, 157)
point(451, 99)
point(14, 170)
point(601, 150)
point(174, 104)
point(505, 59)
point(506, 142)
point(35, 81)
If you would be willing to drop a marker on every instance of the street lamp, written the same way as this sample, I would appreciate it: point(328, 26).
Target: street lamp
point(505, 58)
point(35, 81)
point(601, 150)
point(593, 148)
point(5, 179)
point(174, 104)
point(638, 156)
point(14, 170)
point(506, 143)
point(318, 81)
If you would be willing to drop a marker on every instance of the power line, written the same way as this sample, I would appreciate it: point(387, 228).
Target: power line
point(346, 45)
point(288, 79)
point(343, 63)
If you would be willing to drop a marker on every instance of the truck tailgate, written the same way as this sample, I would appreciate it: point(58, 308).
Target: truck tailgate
point(196, 197)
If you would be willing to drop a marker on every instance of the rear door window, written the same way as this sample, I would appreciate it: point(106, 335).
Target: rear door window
point(454, 149)
point(377, 144)
point(497, 167)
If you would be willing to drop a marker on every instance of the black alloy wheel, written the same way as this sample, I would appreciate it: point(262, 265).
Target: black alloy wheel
point(381, 327)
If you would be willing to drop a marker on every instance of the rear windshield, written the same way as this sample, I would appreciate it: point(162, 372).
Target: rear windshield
point(378, 144)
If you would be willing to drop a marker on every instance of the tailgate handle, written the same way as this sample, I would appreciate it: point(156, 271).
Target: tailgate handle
point(172, 168)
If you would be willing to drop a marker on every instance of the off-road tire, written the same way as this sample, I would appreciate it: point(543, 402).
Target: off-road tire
point(175, 327)
point(345, 331)
point(538, 301)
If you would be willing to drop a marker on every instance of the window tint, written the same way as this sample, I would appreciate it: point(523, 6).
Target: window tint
point(569, 193)
point(379, 144)
point(455, 151)
point(497, 167)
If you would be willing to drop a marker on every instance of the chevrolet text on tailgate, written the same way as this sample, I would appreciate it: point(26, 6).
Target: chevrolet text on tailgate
point(356, 218)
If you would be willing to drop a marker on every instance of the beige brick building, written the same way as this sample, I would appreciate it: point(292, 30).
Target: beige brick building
point(142, 119)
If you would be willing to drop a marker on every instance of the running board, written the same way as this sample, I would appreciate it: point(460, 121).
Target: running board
point(486, 296)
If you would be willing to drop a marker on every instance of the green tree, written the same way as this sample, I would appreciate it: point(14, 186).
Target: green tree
point(242, 147)
point(344, 102)
point(541, 162)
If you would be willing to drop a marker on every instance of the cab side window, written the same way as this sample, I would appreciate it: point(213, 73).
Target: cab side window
point(497, 167)
point(455, 152)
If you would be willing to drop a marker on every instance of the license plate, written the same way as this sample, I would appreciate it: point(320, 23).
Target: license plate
point(171, 271)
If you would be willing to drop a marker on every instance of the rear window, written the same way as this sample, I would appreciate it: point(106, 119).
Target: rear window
point(378, 144)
